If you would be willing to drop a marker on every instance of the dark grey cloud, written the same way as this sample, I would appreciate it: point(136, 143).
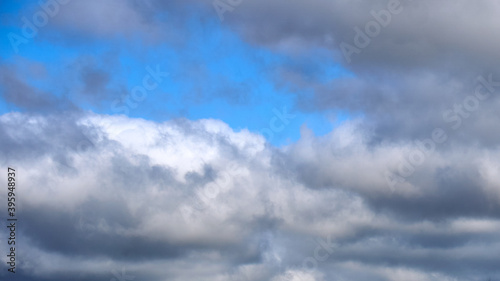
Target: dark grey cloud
point(95, 80)
point(16, 92)
point(426, 59)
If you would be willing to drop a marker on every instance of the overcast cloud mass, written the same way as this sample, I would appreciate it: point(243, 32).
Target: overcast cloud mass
point(251, 140)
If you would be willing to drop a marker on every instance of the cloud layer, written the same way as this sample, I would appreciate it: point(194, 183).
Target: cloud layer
point(186, 200)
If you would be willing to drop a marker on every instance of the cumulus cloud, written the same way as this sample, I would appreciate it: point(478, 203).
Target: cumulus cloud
point(197, 200)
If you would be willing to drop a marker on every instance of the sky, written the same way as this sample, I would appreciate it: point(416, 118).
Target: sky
point(249, 140)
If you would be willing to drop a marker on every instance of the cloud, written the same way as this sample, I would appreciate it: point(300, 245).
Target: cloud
point(95, 80)
point(416, 67)
point(195, 199)
point(109, 19)
point(17, 92)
